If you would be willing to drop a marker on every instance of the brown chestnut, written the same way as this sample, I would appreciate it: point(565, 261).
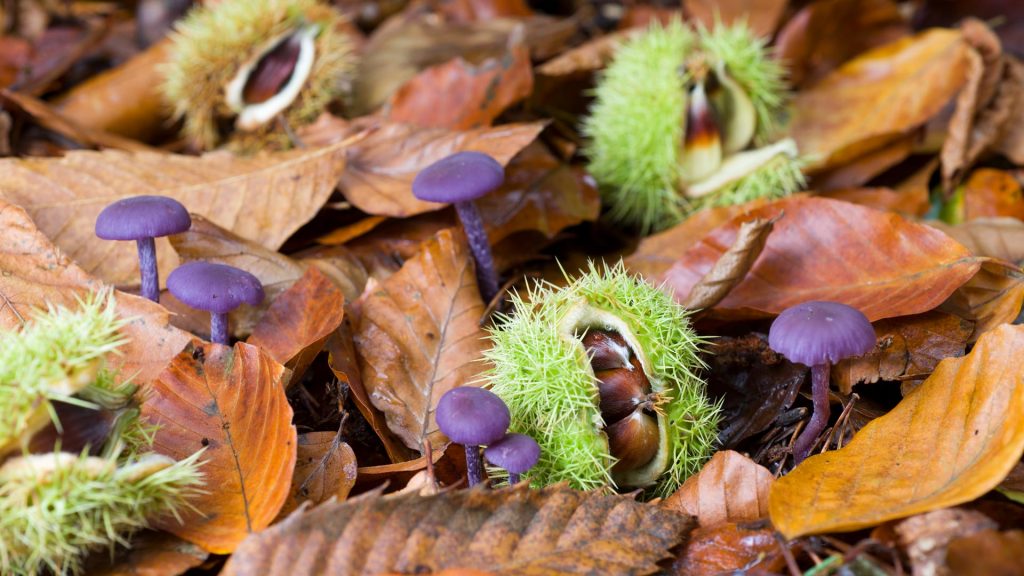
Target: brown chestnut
point(634, 440)
point(608, 350)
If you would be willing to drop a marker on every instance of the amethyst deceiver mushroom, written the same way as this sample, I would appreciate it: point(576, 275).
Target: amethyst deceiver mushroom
point(819, 334)
point(516, 453)
point(472, 417)
point(460, 179)
point(217, 289)
point(144, 218)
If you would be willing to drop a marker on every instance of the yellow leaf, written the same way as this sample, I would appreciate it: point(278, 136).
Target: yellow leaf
point(948, 442)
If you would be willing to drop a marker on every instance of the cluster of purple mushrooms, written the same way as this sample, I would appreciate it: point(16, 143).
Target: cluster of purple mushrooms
point(475, 417)
point(214, 288)
point(816, 334)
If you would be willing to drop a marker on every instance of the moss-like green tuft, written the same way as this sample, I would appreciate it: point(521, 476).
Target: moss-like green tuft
point(543, 374)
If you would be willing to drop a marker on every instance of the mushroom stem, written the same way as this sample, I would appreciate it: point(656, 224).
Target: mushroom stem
point(474, 465)
point(219, 327)
point(513, 478)
point(147, 269)
point(486, 275)
point(819, 418)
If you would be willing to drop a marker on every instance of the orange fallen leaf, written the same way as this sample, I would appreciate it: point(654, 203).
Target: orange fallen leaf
point(381, 168)
point(829, 250)
point(1001, 238)
point(992, 193)
point(296, 326)
point(729, 548)
point(993, 296)
point(418, 336)
point(879, 96)
point(986, 553)
point(762, 16)
point(231, 402)
point(150, 554)
point(264, 199)
point(325, 468)
point(948, 442)
point(38, 274)
point(554, 530)
point(729, 488)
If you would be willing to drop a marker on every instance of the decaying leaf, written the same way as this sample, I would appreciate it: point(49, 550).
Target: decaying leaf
point(728, 548)
point(879, 96)
point(325, 468)
point(993, 296)
point(554, 530)
point(950, 441)
point(299, 321)
point(992, 193)
point(264, 199)
point(382, 166)
point(419, 336)
point(830, 250)
point(150, 554)
point(729, 488)
point(762, 16)
point(1001, 238)
point(985, 553)
point(926, 536)
point(231, 402)
point(37, 274)
point(732, 267)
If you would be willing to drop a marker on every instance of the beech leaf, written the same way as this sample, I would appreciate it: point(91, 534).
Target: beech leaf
point(325, 468)
point(264, 198)
point(730, 548)
point(729, 488)
point(231, 402)
point(732, 267)
point(554, 530)
point(950, 441)
point(419, 335)
point(825, 249)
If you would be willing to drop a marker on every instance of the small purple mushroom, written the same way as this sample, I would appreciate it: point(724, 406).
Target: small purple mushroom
point(217, 289)
point(460, 179)
point(472, 417)
point(818, 334)
point(516, 453)
point(143, 218)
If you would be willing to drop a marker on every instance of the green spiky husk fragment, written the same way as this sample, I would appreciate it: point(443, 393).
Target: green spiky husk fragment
point(636, 125)
point(210, 45)
point(543, 373)
point(56, 507)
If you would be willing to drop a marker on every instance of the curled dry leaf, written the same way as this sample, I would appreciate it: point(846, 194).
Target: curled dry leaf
point(879, 97)
point(554, 530)
point(264, 199)
point(459, 95)
point(985, 553)
point(829, 250)
point(418, 336)
point(231, 402)
point(950, 441)
point(825, 34)
point(729, 548)
point(37, 274)
point(908, 347)
point(590, 56)
point(449, 469)
point(325, 468)
point(993, 296)
point(299, 321)
point(732, 267)
point(729, 488)
point(381, 168)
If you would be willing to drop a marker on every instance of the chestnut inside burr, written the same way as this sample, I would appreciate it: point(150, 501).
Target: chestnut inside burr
point(273, 71)
point(628, 406)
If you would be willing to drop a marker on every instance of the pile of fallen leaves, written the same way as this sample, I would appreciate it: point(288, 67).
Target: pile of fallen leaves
point(322, 455)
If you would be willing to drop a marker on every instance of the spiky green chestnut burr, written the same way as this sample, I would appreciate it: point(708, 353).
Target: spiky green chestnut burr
point(546, 374)
point(259, 67)
point(676, 120)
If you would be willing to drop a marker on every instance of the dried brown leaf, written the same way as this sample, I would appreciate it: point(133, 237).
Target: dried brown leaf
point(325, 468)
point(381, 168)
point(729, 488)
point(150, 554)
point(986, 553)
point(590, 56)
point(1001, 238)
point(948, 442)
point(728, 548)
point(989, 192)
point(418, 336)
point(264, 199)
point(762, 16)
point(733, 265)
point(554, 530)
point(1010, 142)
point(231, 402)
point(993, 296)
point(926, 536)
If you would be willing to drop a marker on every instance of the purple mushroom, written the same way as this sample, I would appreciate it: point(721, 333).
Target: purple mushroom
point(818, 334)
point(516, 453)
point(472, 417)
point(217, 289)
point(143, 218)
point(460, 179)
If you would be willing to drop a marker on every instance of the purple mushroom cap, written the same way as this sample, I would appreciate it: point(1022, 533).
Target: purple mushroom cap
point(461, 177)
point(813, 333)
point(516, 453)
point(213, 287)
point(142, 217)
point(472, 416)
